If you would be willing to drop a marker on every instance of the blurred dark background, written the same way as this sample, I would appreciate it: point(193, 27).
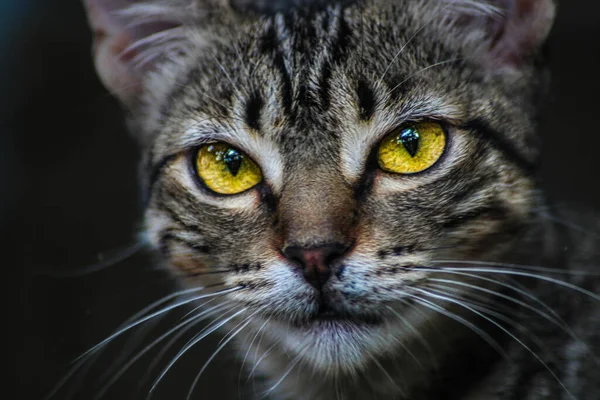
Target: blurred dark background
point(69, 195)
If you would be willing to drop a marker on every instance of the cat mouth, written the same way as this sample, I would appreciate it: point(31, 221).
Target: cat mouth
point(328, 316)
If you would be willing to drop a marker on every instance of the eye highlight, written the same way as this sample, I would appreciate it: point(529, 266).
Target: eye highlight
point(412, 148)
point(226, 170)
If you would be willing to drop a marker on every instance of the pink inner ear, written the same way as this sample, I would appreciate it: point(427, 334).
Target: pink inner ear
point(151, 40)
point(524, 27)
point(131, 37)
point(110, 39)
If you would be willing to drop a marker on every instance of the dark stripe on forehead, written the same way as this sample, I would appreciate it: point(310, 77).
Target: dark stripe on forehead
point(300, 57)
point(271, 45)
point(254, 107)
point(336, 54)
point(366, 100)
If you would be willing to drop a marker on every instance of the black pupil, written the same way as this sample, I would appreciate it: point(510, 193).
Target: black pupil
point(410, 140)
point(233, 159)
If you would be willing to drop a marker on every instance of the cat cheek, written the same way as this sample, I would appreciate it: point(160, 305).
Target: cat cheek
point(188, 265)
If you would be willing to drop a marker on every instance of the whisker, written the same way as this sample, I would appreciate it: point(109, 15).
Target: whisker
point(419, 336)
point(203, 316)
point(265, 354)
point(234, 86)
point(250, 347)
point(191, 322)
point(425, 24)
point(131, 344)
point(568, 224)
point(534, 354)
point(294, 362)
point(506, 297)
point(222, 345)
point(514, 286)
point(85, 357)
point(526, 274)
point(244, 66)
point(519, 266)
point(426, 69)
point(104, 263)
point(486, 337)
point(552, 317)
point(196, 309)
point(387, 375)
point(188, 346)
point(482, 307)
point(162, 311)
point(412, 328)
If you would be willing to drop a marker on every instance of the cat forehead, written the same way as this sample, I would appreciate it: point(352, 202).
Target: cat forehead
point(301, 82)
point(297, 90)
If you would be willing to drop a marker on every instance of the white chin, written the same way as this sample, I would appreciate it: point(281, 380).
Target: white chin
point(331, 345)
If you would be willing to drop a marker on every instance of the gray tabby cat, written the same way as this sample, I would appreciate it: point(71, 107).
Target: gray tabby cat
point(352, 185)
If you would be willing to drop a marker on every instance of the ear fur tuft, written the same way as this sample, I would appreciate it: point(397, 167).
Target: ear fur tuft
point(514, 30)
point(134, 37)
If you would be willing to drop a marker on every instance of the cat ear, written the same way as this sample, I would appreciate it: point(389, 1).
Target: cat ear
point(514, 29)
point(134, 37)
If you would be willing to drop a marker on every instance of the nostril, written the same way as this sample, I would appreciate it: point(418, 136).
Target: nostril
point(315, 261)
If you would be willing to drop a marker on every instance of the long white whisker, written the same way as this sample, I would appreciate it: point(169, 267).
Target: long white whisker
point(529, 275)
point(104, 262)
point(234, 86)
point(513, 287)
point(191, 322)
point(209, 313)
point(132, 344)
point(413, 330)
point(224, 343)
point(196, 340)
point(416, 332)
point(265, 354)
point(425, 24)
point(553, 317)
point(426, 69)
point(160, 312)
point(446, 298)
point(387, 375)
point(568, 224)
point(250, 348)
point(557, 271)
point(505, 297)
point(487, 338)
point(285, 374)
point(85, 357)
point(486, 310)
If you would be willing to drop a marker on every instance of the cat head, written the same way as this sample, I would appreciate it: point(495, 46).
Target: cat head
point(326, 162)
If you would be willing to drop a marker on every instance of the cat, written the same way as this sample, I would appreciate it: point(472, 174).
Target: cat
point(351, 185)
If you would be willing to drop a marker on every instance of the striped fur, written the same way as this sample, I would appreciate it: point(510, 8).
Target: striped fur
point(309, 95)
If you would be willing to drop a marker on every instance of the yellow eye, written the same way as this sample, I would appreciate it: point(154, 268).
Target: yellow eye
point(226, 170)
point(412, 148)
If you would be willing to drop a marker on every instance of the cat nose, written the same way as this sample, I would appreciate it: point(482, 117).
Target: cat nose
point(315, 261)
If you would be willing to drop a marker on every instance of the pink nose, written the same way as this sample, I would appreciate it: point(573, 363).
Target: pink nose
point(315, 261)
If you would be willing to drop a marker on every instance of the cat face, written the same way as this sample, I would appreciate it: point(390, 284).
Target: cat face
point(325, 164)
